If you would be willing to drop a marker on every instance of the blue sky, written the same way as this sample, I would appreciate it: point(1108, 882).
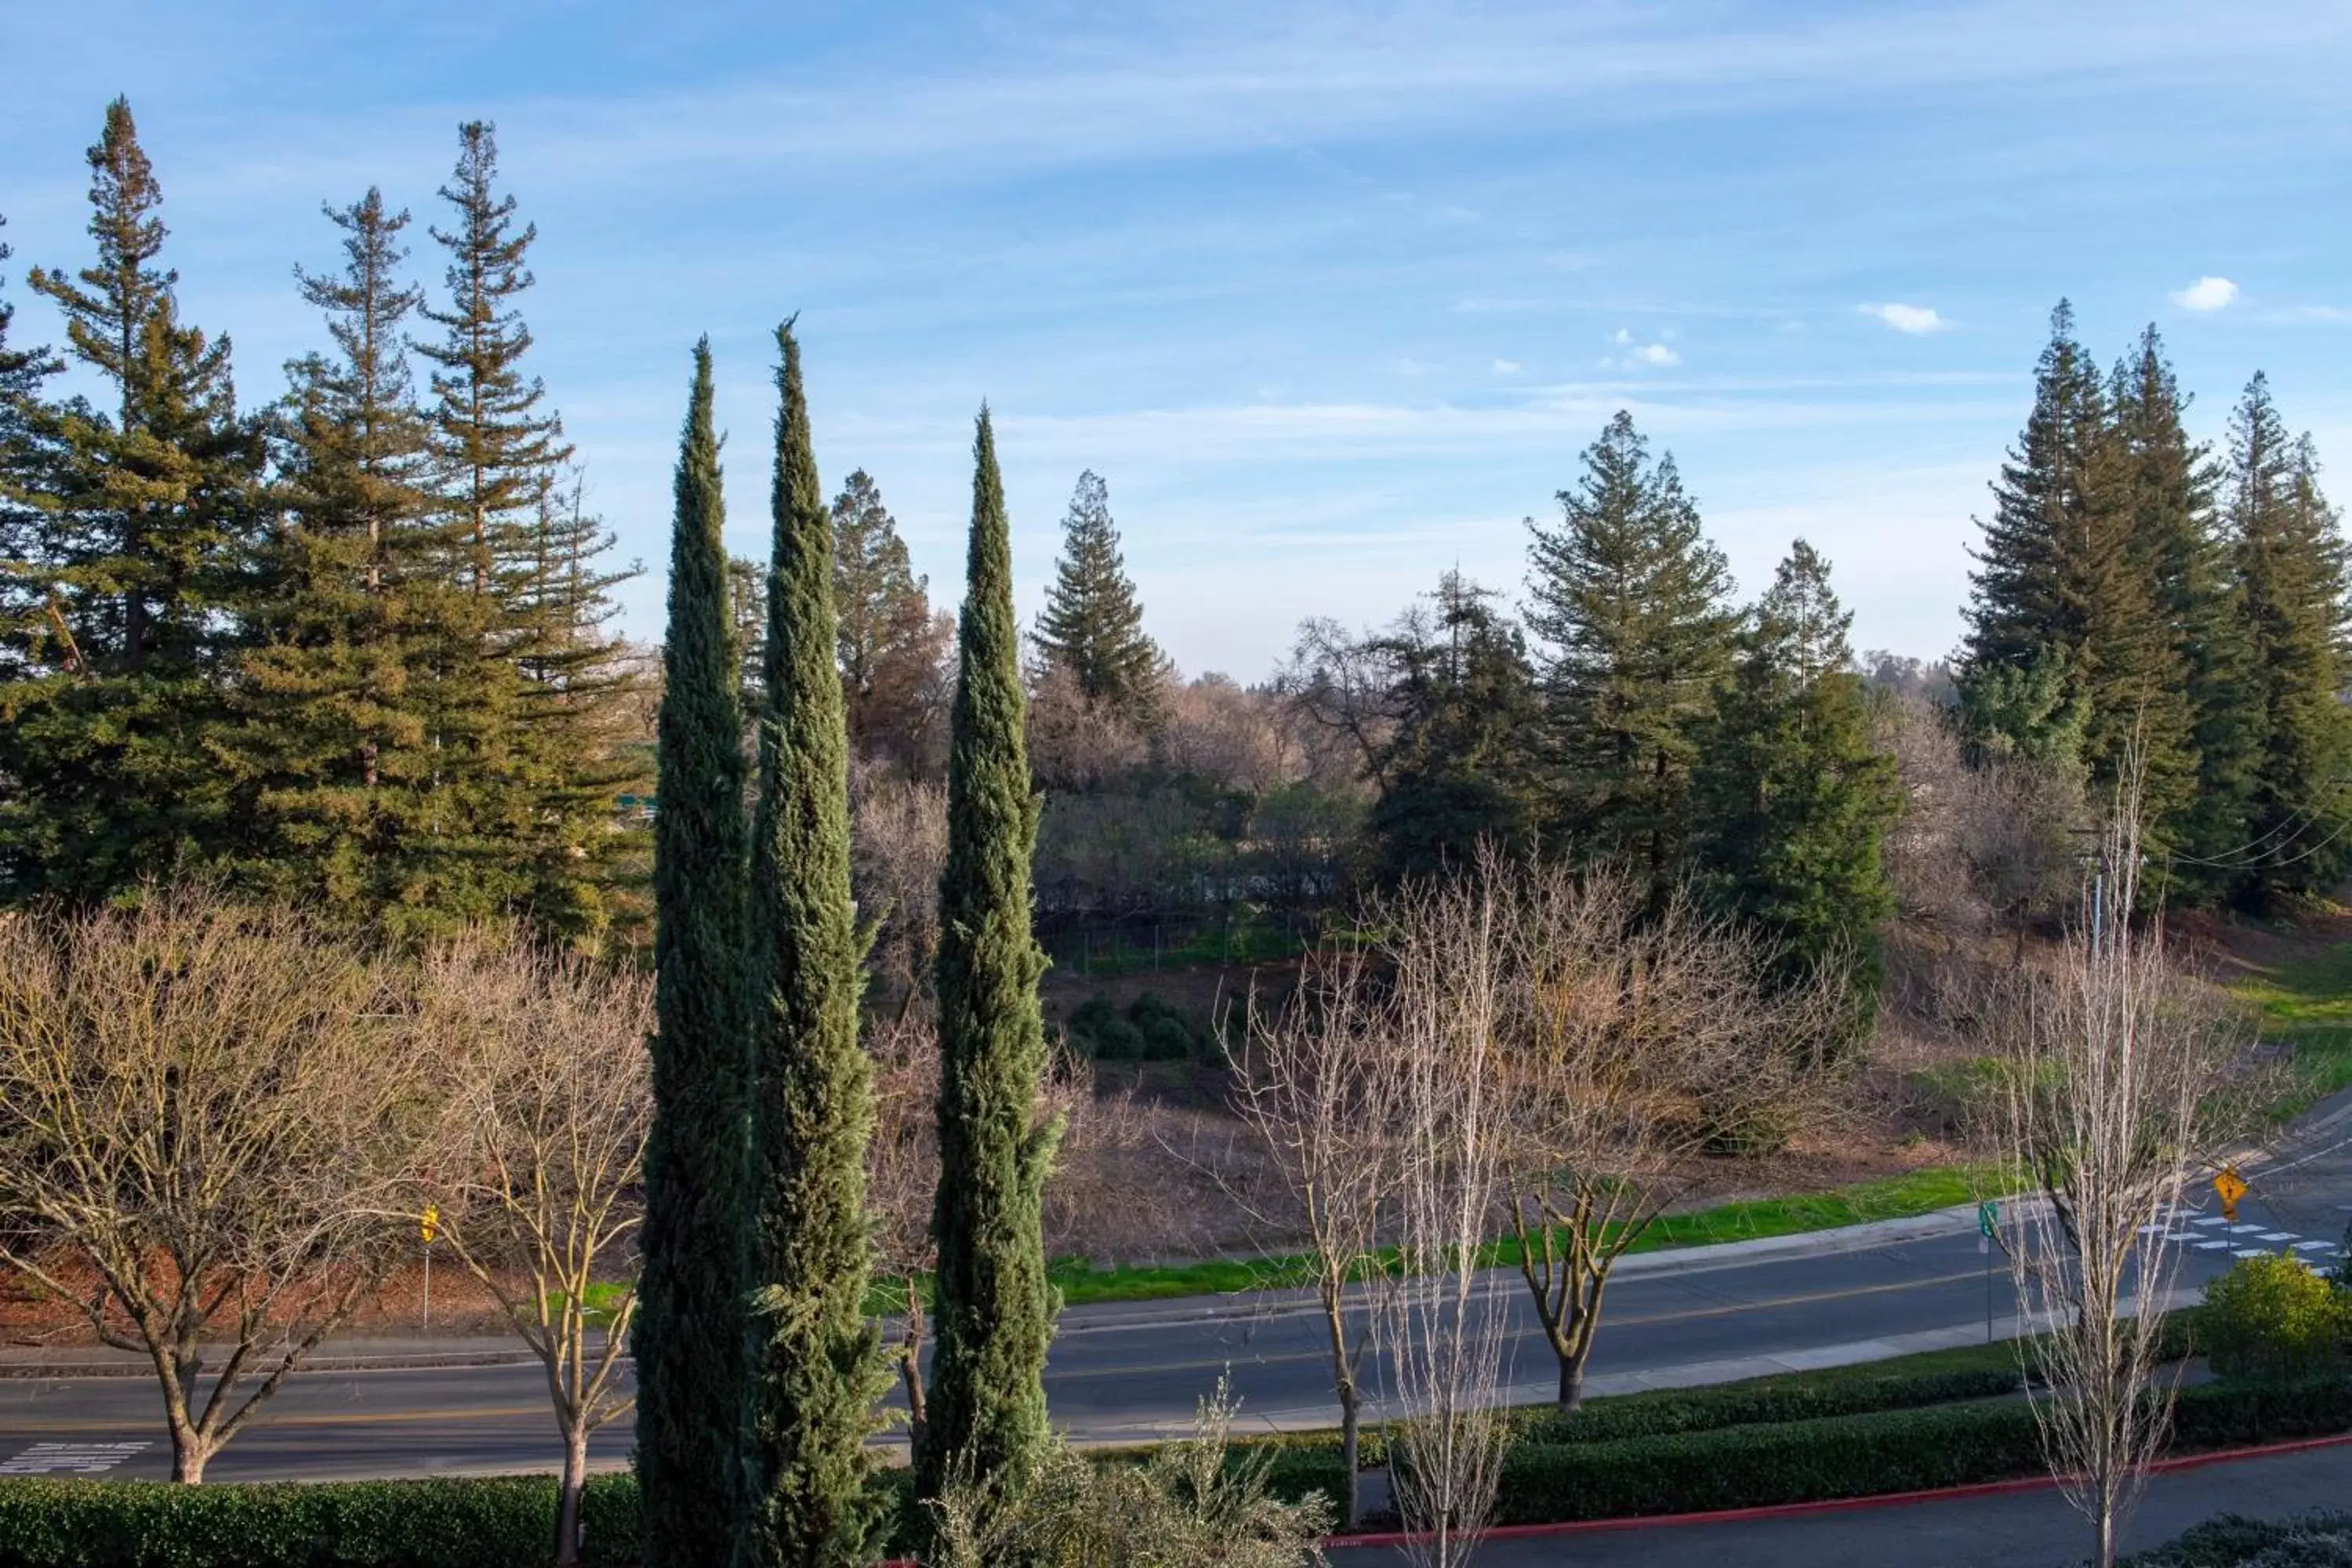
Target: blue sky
point(1332, 295)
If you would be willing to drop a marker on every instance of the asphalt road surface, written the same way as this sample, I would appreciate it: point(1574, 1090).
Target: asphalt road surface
point(1133, 1372)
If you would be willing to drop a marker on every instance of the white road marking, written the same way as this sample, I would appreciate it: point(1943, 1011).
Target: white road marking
point(2213, 1247)
point(69, 1459)
point(2278, 1236)
point(2250, 1252)
point(2315, 1247)
point(2244, 1229)
point(2210, 1219)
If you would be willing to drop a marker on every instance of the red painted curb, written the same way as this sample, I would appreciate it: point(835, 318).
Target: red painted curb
point(1830, 1505)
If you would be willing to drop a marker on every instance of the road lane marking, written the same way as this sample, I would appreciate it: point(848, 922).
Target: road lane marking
point(71, 1458)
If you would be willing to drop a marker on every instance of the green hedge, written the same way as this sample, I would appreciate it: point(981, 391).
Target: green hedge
point(1768, 1401)
point(506, 1521)
point(1857, 1456)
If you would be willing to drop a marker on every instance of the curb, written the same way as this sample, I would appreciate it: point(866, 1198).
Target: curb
point(31, 1371)
point(1831, 1505)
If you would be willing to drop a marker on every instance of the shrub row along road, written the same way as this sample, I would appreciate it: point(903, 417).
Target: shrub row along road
point(1125, 1373)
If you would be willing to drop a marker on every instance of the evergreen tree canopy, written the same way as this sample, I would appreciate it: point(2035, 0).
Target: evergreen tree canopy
point(993, 1307)
point(2174, 529)
point(1093, 623)
point(1629, 598)
point(890, 641)
point(2064, 567)
point(1456, 768)
point(814, 1362)
point(1792, 800)
point(2291, 573)
point(691, 1330)
point(341, 782)
point(22, 372)
point(137, 567)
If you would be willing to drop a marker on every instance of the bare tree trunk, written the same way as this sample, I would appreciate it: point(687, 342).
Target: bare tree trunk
point(568, 1500)
point(189, 1453)
point(1572, 1385)
point(1351, 1422)
point(910, 1369)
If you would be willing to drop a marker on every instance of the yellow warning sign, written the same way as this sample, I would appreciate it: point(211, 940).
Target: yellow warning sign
point(430, 1223)
point(2230, 1187)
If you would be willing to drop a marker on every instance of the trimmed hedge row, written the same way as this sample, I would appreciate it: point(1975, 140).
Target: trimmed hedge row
point(503, 1522)
point(2232, 1540)
point(1857, 1456)
point(1764, 1401)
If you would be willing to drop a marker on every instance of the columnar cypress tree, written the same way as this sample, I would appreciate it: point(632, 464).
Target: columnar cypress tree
point(138, 557)
point(691, 1328)
point(1630, 598)
point(814, 1361)
point(1792, 800)
point(1093, 623)
point(2292, 573)
point(994, 1309)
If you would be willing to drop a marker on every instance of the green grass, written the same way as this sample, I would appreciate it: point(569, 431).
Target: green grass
point(2307, 1004)
point(1893, 1197)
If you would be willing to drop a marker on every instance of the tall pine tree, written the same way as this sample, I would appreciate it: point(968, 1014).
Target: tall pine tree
point(1629, 597)
point(2292, 575)
point(2064, 582)
point(2173, 526)
point(1792, 800)
point(890, 642)
point(1093, 623)
point(531, 770)
point(691, 1328)
point(993, 1307)
point(139, 559)
point(813, 1361)
point(23, 372)
point(338, 776)
point(1456, 770)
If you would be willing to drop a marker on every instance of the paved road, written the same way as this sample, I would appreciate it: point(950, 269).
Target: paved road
point(1131, 1372)
point(2027, 1530)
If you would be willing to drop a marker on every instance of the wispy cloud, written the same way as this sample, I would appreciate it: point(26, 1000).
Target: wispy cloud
point(1506, 367)
point(1916, 320)
point(2207, 294)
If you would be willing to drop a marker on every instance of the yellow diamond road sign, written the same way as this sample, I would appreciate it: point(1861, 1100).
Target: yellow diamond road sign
point(430, 1223)
point(2230, 1187)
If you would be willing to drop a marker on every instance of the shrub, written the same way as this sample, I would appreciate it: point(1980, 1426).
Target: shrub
point(1166, 1040)
point(2232, 1540)
point(2272, 1317)
point(1086, 1021)
point(1766, 1401)
point(1116, 1040)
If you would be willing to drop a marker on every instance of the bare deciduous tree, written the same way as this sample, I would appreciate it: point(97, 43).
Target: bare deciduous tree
point(1443, 1330)
point(902, 1176)
point(1635, 1043)
point(547, 1105)
point(899, 844)
point(2119, 1090)
point(1320, 1085)
point(212, 1125)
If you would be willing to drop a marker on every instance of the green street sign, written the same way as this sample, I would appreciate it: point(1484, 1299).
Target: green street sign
point(1987, 1216)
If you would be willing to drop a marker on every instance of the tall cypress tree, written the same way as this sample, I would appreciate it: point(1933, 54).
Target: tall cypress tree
point(813, 1361)
point(1629, 597)
point(995, 1309)
point(1093, 623)
point(339, 778)
point(2291, 573)
point(689, 1337)
point(138, 563)
point(1792, 800)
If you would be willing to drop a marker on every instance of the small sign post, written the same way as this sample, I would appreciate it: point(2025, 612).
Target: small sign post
point(1988, 1221)
point(428, 1224)
point(2230, 1187)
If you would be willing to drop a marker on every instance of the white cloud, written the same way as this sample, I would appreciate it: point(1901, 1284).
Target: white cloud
point(1654, 353)
point(1506, 367)
point(1912, 319)
point(2207, 294)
